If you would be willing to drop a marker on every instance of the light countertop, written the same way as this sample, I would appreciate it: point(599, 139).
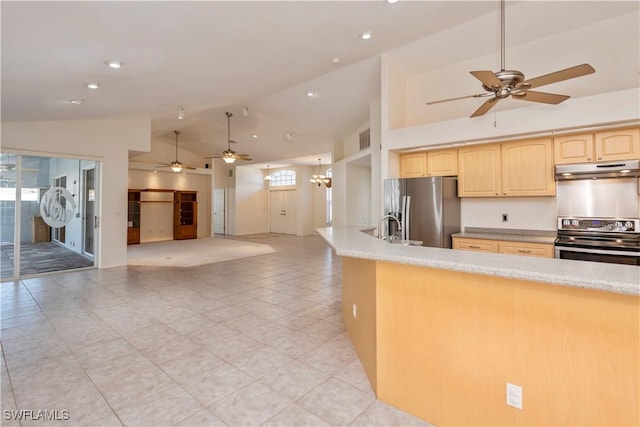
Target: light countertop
point(513, 235)
point(353, 242)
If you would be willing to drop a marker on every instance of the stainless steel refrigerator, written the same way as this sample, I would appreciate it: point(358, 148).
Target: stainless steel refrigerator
point(428, 208)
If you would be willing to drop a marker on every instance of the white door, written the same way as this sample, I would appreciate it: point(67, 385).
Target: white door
point(283, 211)
point(219, 204)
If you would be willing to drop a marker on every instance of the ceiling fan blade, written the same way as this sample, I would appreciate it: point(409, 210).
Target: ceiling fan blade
point(487, 78)
point(558, 76)
point(480, 95)
point(488, 104)
point(243, 157)
point(547, 98)
point(188, 167)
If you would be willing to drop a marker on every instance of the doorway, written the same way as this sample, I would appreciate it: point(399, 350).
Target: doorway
point(44, 201)
point(283, 211)
point(219, 210)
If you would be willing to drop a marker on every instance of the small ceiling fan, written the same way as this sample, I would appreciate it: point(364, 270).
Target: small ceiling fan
point(505, 83)
point(228, 155)
point(176, 165)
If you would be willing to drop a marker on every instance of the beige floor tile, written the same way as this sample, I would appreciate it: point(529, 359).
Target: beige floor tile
point(203, 418)
point(190, 366)
point(336, 402)
point(260, 362)
point(294, 415)
point(382, 414)
point(217, 383)
point(249, 406)
point(165, 408)
point(294, 379)
point(147, 344)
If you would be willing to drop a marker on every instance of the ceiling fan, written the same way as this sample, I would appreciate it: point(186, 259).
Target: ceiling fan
point(228, 155)
point(505, 83)
point(176, 165)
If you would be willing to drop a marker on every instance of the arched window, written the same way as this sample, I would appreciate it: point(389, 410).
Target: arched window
point(282, 178)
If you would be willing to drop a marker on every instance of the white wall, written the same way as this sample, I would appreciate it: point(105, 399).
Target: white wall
point(108, 141)
point(248, 205)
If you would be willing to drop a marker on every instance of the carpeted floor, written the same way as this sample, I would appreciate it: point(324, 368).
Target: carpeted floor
point(189, 253)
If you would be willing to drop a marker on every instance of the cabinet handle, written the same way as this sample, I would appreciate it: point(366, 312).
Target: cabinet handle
point(523, 251)
point(589, 158)
point(599, 158)
point(474, 246)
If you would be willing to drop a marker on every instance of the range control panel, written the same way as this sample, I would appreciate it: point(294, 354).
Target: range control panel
point(604, 225)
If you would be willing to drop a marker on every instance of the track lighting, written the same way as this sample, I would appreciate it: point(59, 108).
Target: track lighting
point(180, 112)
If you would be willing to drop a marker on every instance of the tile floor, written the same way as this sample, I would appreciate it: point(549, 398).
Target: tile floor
point(256, 341)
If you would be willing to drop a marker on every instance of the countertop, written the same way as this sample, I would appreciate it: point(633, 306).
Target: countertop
point(513, 235)
point(353, 242)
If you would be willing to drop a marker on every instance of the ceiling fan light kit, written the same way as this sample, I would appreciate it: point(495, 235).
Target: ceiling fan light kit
point(512, 83)
point(229, 156)
point(176, 165)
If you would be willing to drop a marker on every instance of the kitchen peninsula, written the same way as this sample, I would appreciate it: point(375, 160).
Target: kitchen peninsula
point(441, 332)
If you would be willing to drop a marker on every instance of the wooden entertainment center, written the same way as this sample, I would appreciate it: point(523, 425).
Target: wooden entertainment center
point(185, 211)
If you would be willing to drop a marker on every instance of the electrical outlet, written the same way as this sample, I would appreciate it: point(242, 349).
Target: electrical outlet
point(355, 310)
point(505, 217)
point(514, 395)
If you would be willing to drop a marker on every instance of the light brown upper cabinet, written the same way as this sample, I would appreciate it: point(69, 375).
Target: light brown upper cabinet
point(618, 144)
point(413, 165)
point(480, 171)
point(521, 168)
point(527, 168)
point(442, 162)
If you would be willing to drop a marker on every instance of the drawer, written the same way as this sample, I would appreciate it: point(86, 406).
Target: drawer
point(475, 245)
point(527, 249)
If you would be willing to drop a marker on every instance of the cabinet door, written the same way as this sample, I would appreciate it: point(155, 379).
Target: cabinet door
point(527, 168)
point(621, 144)
point(477, 245)
point(442, 163)
point(527, 249)
point(479, 173)
point(573, 149)
point(413, 165)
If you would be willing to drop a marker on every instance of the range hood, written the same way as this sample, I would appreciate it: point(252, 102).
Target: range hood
point(621, 169)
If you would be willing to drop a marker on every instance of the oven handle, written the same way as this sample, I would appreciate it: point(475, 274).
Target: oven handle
point(594, 251)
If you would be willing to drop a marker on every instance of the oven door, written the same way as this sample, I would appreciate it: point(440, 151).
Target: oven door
point(598, 255)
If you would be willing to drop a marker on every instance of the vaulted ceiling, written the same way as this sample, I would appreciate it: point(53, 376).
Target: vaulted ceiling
point(216, 56)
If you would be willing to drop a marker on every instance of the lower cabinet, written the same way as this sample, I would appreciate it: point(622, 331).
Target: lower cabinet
point(504, 247)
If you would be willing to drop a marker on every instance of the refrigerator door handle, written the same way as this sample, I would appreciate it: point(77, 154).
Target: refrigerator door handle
point(406, 209)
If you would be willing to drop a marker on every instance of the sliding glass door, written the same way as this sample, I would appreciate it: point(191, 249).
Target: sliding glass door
point(48, 210)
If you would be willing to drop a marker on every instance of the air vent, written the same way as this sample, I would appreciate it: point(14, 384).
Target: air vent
point(365, 139)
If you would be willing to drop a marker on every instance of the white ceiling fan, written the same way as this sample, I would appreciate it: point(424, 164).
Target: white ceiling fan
point(228, 155)
point(504, 83)
point(176, 165)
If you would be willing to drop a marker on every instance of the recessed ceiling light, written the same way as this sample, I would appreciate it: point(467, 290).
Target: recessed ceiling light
point(93, 85)
point(335, 60)
point(392, 1)
point(76, 101)
point(113, 64)
point(310, 93)
point(254, 136)
point(366, 35)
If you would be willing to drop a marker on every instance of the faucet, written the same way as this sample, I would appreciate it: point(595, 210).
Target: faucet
point(380, 226)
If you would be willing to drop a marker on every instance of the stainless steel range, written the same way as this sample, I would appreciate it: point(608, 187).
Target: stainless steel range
point(613, 240)
point(598, 212)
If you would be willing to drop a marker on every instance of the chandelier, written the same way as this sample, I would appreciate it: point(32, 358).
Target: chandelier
point(319, 179)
